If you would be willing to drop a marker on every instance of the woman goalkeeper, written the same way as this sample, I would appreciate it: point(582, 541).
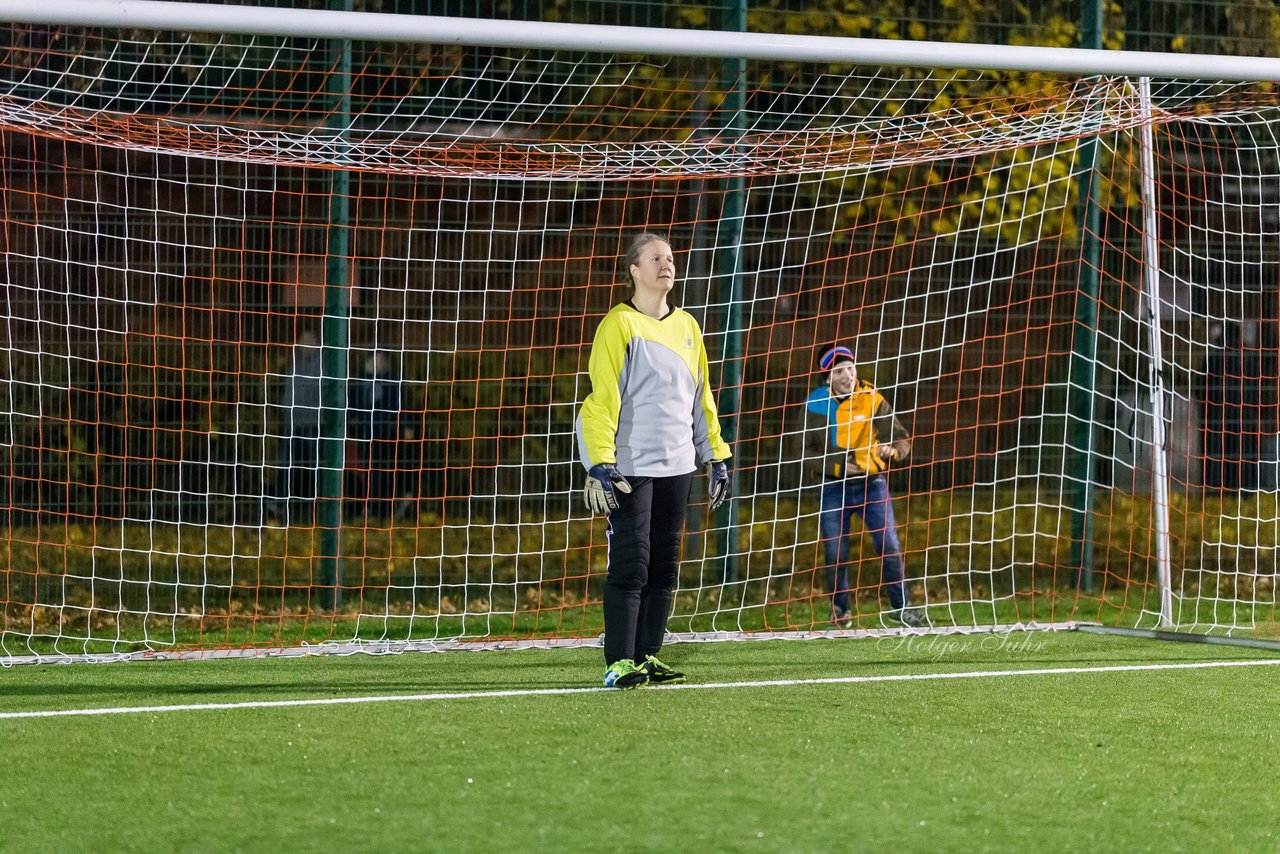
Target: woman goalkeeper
point(643, 431)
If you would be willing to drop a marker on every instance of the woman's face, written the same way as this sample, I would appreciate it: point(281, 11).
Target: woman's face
point(655, 270)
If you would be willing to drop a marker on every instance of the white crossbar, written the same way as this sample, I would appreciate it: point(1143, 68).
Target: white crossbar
point(319, 23)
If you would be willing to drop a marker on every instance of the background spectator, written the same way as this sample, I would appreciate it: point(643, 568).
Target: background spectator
point(373, 423)
point(298, 445)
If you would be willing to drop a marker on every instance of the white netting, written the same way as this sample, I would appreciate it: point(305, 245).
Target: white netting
point(170, 209)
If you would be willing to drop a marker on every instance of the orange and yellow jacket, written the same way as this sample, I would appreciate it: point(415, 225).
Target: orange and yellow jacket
point(842, 433)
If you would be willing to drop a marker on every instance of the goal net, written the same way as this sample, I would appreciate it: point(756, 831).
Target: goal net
point(295, 331)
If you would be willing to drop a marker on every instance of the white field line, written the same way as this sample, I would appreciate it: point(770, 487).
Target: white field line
point(697, 686)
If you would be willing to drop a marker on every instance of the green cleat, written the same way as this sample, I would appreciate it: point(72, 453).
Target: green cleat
point(659, 673)
point(624, 674)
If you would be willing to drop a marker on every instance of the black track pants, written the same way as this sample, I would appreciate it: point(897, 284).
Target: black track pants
point(644, 560)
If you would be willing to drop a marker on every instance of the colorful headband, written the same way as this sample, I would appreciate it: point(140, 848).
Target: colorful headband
point(828, 359)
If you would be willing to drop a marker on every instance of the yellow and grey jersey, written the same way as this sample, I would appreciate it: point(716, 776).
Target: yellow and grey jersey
point(650, 410)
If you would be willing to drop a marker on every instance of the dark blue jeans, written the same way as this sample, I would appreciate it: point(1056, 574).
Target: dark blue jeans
point(868, 499)
point(296, 472)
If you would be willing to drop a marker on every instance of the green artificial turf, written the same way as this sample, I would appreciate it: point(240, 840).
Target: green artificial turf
point(1141, 760)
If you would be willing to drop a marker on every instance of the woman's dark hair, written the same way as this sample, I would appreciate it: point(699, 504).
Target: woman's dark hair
point(633, 251)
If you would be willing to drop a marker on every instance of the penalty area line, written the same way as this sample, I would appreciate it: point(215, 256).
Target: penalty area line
point(687, 686)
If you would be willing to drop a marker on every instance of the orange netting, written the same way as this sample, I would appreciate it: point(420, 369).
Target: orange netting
point(218, 437)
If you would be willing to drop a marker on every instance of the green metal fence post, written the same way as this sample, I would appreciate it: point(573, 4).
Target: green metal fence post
point(1083, 373)
point(334, 337)
point(729, 264)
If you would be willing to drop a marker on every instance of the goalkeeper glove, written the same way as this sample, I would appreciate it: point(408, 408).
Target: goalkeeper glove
point(602, 480)
point(717, 482)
